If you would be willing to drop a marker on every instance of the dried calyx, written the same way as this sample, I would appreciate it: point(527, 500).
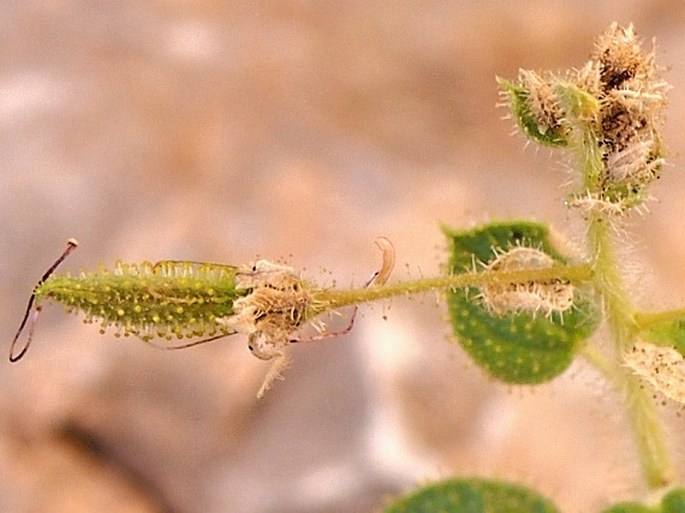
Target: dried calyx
point(275, 306)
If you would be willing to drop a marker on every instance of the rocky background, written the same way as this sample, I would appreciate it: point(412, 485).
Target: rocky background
point(220, 131)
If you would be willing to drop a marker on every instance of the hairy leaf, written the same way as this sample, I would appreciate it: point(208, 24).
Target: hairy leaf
point(521, 345)
point(532, 126)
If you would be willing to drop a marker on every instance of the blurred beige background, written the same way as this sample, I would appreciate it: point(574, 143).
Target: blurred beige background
point(222, 131)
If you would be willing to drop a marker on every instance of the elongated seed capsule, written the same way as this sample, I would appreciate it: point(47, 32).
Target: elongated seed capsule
point(267, 301)
point(169, 299)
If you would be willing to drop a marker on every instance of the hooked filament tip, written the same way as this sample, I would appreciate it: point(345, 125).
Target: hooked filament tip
point(16, 356)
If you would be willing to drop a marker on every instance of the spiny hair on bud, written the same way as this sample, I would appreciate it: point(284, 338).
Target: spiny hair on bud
point(626, 81)
point(544, 104)
point(556, 296)
point(621, 58)
point(536, 108)
point(609, 205)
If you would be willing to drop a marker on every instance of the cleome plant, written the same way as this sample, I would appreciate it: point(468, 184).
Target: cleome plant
point(520, 306)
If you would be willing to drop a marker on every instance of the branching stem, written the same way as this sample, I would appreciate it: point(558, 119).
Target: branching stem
point(655, 463)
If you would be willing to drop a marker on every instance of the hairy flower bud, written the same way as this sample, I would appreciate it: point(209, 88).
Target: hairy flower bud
point(611, 110)
point(537, 108)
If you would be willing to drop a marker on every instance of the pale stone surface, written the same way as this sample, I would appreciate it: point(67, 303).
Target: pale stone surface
point(226, 131)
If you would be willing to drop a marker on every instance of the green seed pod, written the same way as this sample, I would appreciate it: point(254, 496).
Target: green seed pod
point(267, 301)
point(169, 299)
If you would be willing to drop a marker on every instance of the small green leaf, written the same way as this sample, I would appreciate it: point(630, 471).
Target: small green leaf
point(519, 346)
point(519, 101)
point(473, 496)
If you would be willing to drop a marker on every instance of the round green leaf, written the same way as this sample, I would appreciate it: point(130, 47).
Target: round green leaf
point(674, 502)
point(519, 346)
point(473, 496)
